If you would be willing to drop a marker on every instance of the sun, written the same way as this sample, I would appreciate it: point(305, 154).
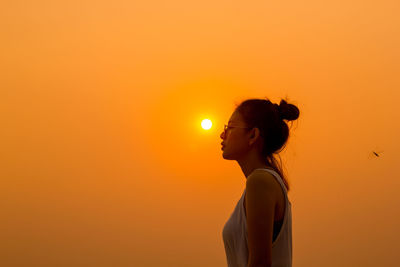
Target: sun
point(206, 124)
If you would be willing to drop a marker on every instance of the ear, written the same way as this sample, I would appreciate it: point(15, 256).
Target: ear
point(254, 135)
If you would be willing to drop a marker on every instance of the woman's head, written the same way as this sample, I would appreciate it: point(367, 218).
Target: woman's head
point(259, 124)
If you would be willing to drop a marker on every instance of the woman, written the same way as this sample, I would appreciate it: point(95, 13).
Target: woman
point(259, 231)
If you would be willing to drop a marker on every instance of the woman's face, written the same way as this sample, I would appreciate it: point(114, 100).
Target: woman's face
point(235, 138)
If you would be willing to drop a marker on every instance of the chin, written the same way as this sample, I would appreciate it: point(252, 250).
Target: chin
point(226, 156)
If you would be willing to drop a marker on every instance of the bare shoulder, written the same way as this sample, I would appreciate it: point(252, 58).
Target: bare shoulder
point(263, 180)
point(262, 177)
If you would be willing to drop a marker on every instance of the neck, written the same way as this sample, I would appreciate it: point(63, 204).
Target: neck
point(250, 162)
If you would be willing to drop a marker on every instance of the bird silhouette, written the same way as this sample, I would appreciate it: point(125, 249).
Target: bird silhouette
point(376, 153)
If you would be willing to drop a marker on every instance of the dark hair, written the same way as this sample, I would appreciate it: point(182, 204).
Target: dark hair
point(269, 119)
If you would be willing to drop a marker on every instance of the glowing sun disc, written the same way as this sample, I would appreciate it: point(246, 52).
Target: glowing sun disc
point(206, 124)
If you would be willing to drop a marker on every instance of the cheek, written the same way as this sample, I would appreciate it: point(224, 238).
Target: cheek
point(235, 146)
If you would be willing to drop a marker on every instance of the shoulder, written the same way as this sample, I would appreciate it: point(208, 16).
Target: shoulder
point(262, 182)
point(261, 178)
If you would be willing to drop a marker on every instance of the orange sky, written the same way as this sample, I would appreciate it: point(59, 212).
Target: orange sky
point(103, 161)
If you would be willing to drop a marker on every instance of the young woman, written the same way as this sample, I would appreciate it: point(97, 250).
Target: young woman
point(259, 231)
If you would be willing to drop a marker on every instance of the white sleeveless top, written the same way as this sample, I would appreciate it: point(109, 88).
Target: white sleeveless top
point(234, 235)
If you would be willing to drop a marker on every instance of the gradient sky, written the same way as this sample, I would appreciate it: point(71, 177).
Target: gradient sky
point(103, 161)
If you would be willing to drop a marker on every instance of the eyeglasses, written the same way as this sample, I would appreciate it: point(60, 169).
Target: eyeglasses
point(226, 127)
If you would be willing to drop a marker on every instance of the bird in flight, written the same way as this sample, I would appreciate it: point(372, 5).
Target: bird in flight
point(376, 153)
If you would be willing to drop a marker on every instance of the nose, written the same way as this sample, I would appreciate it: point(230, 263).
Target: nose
point(222, 135)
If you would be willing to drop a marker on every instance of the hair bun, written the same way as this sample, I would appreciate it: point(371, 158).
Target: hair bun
point(288, 111)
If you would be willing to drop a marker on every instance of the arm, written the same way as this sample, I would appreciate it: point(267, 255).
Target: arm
point(260, 209)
